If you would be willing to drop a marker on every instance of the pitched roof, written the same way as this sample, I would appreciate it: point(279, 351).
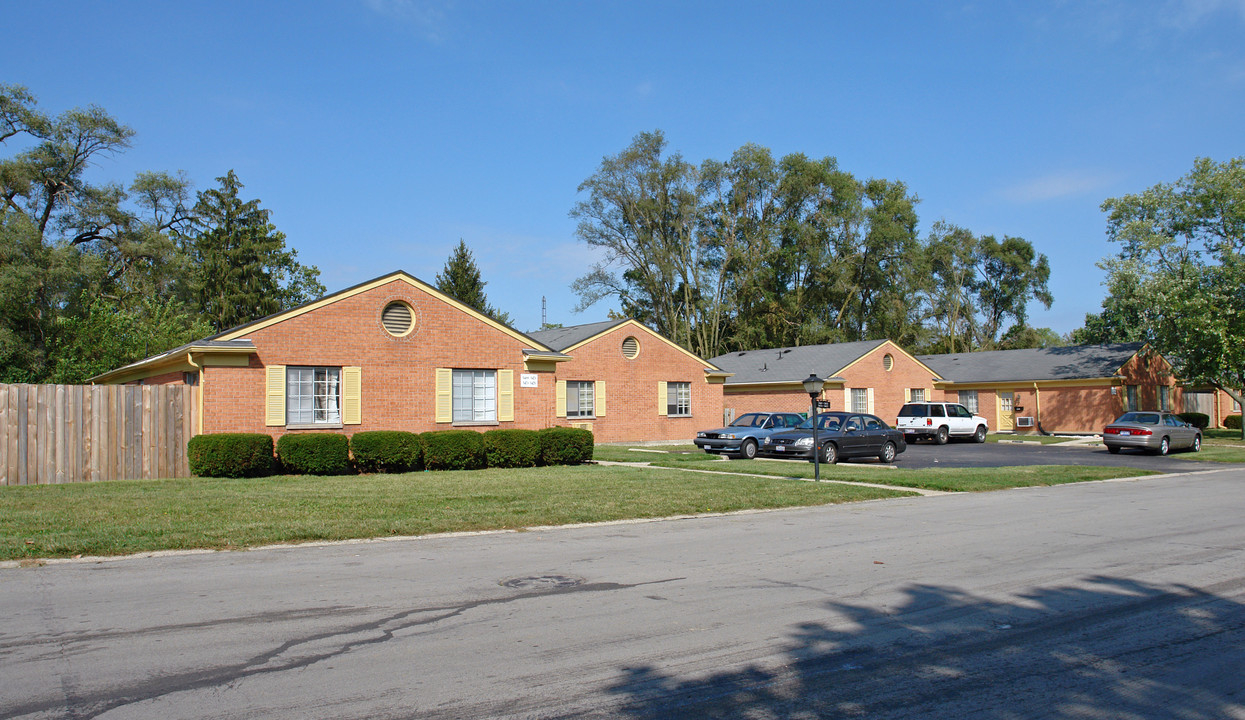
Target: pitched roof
point(561, 338)
point(1077, 362)
point(794, 364)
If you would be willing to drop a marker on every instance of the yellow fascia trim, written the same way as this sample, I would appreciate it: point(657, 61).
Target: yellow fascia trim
point(542, 364)
point(634, 324)
point(385, 280)
point(896, 348)
point(717, 378)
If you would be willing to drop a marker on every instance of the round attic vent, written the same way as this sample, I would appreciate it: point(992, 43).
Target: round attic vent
point(888, 362)
point(631, 348)
point(397, 319)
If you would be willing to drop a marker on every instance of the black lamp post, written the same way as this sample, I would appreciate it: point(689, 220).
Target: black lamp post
point(813, 386)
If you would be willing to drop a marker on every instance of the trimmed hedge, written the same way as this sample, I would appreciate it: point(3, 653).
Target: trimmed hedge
point(391, 451)
point(1201, 421)
point(230, 454)
point(314, 453)
point(512, 448)
point(565, 446)
point(453, 450)
point(1232, 422)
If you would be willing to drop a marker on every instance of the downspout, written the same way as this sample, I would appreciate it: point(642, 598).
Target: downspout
point(1037, 408)
point(190, 359)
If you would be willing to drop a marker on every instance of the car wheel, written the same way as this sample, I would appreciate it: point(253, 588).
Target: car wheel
point(941, 437)
point(1164, 446)
point(748, 449)
point(888, 452)
point(980, 435)
point(829, 453)
point(1113, 449)
point(1197, 443)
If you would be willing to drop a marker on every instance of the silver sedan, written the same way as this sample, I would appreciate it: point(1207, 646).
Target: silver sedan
point(1155, 432)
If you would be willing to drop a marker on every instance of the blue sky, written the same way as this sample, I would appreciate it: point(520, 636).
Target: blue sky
point(380, 132)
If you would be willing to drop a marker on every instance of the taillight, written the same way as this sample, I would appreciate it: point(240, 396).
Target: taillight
point(928, 422)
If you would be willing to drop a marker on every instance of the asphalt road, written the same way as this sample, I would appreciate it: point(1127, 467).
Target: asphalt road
point(1105, 600)
point(969, 454)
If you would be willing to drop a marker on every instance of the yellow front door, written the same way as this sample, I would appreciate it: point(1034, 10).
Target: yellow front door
point(1007, 411)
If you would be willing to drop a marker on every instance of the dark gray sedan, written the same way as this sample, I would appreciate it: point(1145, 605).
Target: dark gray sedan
point(839, 435)
point(1153, 432)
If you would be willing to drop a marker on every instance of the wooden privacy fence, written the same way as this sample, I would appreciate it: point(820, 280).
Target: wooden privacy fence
point(87, 433)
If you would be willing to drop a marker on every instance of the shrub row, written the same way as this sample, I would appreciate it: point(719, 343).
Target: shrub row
point(1201, 421)
point(251, 454)
point(1232, 422)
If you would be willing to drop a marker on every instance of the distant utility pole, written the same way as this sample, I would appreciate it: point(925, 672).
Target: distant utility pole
point(544, 319)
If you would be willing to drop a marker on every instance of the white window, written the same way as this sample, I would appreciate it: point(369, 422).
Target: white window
point(1164, 398)
point(1132, 398)
point(475, 395)
point(678, 398)
point(968, 398)
point(580, 399)
point(313, 396)
point(918, 395)
point(860, 400)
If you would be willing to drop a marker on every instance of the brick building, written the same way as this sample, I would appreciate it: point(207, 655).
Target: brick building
point(1071, 389)
point(396, 354)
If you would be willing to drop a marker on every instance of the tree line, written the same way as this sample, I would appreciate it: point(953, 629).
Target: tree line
point(94, 276)
point(758, 251)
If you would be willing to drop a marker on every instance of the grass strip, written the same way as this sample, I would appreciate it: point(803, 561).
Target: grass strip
point(135, 516)
point(949, 479)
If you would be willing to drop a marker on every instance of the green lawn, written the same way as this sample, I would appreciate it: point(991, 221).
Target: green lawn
point(138, 516)
point(950, 479)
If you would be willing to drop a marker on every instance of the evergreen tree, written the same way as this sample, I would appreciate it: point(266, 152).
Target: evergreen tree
point(461, 280)
point(242, 270)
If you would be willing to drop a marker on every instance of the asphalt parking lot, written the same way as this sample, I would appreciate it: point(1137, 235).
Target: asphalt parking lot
point(967, 454)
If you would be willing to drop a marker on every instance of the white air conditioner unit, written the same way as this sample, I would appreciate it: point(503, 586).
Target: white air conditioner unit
point(582, 425)
point(1024, 422)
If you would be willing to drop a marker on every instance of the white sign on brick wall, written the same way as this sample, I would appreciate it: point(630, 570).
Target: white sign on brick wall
point(528, 380)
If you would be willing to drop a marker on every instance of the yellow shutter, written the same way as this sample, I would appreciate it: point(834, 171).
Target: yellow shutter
point(505, 395)
point(907, 395)
point(869, 401)
point(445, 395)
point(600, 399)
point(929, 394)
point(662, 397)
point(275, 396)
point(352, 396)
point(847, 399)
point(561, 398)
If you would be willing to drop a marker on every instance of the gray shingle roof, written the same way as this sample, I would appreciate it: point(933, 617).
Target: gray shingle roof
point(561, 338)
point(1065, 363)
point(792, 364)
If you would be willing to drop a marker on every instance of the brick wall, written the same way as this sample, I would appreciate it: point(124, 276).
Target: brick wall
point(398, 374)
point(631, 401)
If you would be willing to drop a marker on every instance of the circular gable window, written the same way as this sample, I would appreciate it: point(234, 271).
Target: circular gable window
point(631, 348)
point(888, 362)
point(398, 319)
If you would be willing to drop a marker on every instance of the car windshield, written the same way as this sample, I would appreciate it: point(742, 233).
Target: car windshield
point(1141, 418)
point(749, 420)
point(825, 421)
point(914, 410)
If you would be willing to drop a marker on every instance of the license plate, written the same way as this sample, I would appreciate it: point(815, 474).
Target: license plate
point(779, 448)
point(1125, 432)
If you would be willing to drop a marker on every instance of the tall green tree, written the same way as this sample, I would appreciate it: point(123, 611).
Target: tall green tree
point(461, 280)
point(1011, 273)
point(241, 269)
point(1182, 248)
point(642, 211)
point(63, 238)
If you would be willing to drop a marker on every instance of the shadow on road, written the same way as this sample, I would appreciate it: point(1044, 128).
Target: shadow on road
point(1111, 648)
